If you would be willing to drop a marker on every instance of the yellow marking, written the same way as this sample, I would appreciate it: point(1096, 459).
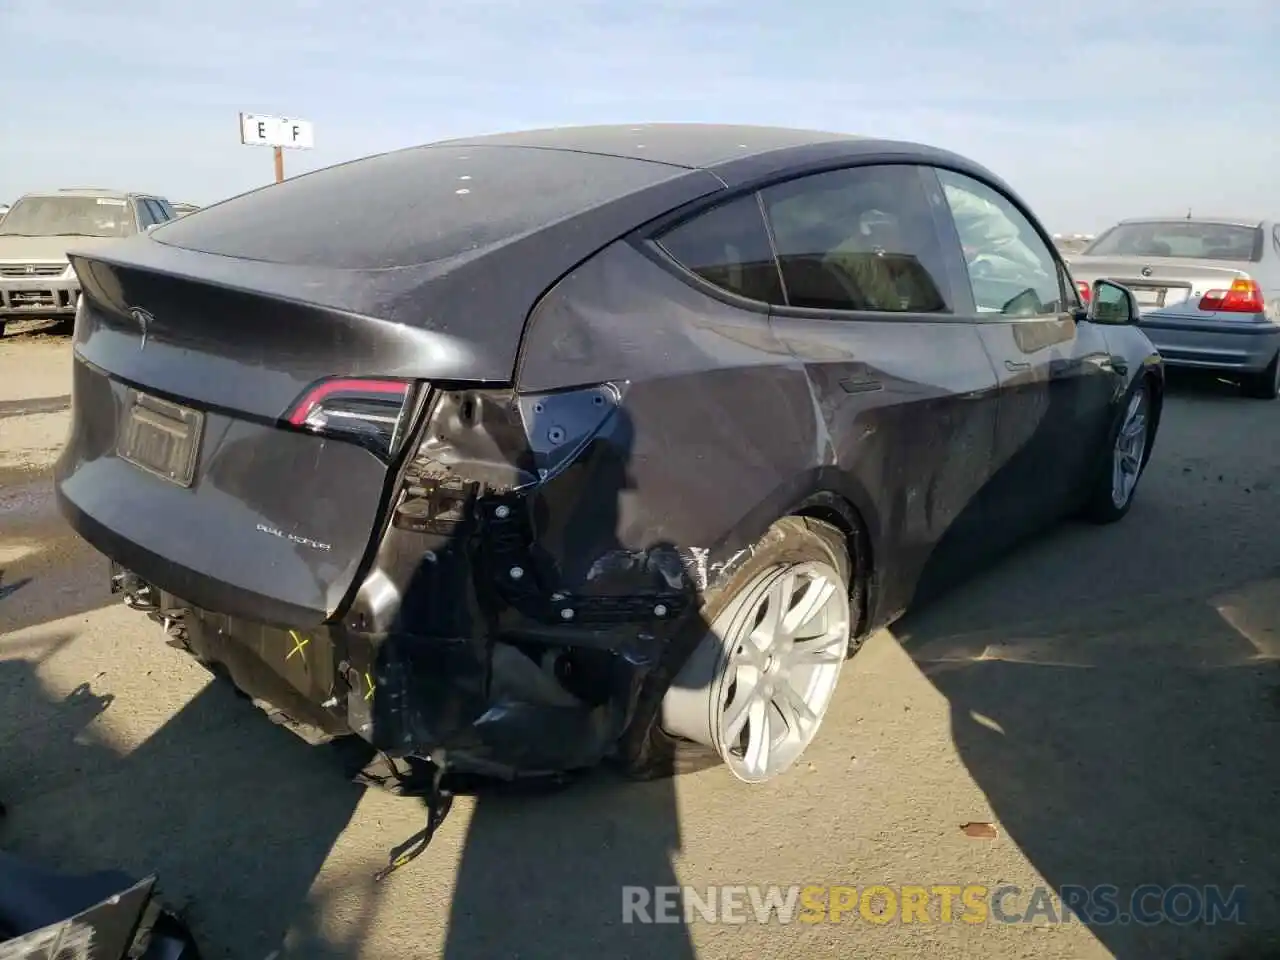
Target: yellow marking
point(298, 643)
point(369, 682)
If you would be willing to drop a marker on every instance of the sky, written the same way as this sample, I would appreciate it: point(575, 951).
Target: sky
point(1093, 110)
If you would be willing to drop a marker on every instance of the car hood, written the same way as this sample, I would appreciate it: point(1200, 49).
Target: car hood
point(48, 248)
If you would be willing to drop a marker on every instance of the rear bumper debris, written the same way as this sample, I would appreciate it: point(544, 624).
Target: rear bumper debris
point(497, 707)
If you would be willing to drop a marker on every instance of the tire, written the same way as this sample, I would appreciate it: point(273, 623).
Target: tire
point(649, 751)
point(1264, 385)
point(2, 323)
point(1103, 505)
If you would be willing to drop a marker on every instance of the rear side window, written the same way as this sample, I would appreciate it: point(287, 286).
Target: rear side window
point(728, 246)
point(858, 239)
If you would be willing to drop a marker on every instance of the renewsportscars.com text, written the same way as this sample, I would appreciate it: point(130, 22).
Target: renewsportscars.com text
point(1102, 905)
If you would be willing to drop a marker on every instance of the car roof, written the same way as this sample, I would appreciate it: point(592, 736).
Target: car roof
point(690, 145)
point(735, 154)
point(103, 192)
point(1220, 221)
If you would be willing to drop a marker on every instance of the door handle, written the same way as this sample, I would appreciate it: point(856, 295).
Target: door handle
point(1017, 364)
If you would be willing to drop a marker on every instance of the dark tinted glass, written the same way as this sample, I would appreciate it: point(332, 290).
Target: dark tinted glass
point(858, 239)
point(413, 206)
point(729, 247)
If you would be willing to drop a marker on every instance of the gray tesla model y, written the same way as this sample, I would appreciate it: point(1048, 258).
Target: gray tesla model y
point(531, 451)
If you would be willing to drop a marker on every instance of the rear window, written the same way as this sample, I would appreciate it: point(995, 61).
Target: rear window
point(411, 206)
point(728, 246)
point(1192, 240)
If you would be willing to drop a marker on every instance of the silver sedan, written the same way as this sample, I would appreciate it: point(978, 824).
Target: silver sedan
point(1208, 289)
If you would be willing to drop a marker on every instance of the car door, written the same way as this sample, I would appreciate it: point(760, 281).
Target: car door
point(1056, 382)
point(907, 389)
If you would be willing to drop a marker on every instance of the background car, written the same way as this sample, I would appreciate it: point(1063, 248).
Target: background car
point(1208, 288)
point(36, 279)
point(616, 451)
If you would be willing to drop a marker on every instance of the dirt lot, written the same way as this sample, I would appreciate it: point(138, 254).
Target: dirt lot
point(1108, 699)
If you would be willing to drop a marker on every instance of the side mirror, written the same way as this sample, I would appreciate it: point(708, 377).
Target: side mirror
point(1113, 303)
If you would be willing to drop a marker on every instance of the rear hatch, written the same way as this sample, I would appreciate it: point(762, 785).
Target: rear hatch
point(1168, 285)
point(245, 380)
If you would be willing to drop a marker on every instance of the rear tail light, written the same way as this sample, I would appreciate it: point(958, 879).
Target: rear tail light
point(1086, 291)
point(1243, 296)
point(367, 411)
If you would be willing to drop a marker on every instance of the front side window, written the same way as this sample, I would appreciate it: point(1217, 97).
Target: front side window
point(62, 216)
point(728, 247)
point(860, 239)
point(1012, 269)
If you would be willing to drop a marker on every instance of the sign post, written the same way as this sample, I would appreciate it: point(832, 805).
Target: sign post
point(279, 133)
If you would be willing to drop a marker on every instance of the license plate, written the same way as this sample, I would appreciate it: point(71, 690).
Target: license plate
point(161, 437)
point(1148, 296)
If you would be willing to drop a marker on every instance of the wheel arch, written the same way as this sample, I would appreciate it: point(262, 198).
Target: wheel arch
point(1154, 377)
point(837, 510)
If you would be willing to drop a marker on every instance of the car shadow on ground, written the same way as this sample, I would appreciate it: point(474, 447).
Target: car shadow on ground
point(204, 802)
point(238, 817)
point(1115, 692)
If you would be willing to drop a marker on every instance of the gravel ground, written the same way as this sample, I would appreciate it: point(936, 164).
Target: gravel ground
point(1107, 699)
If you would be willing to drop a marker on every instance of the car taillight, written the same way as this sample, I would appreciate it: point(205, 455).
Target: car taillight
point(1086, 291)
point(1243, 296)
point(368, 411)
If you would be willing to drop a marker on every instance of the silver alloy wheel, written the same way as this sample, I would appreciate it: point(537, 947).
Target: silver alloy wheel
point(1131, 446)
point(757, 688)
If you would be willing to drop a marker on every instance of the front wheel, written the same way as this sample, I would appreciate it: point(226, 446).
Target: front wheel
point(1123, 459)
point(1264, 385)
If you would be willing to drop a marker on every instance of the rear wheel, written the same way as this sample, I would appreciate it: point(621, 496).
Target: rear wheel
point(1264, 385)
point(1124, 458)
point(756, 688)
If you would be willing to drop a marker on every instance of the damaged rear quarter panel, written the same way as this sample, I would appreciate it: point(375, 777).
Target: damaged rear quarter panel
point(726, 434)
